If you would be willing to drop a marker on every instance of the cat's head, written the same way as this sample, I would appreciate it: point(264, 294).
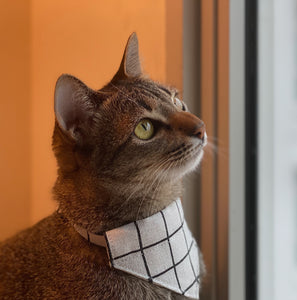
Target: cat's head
point(122, 150)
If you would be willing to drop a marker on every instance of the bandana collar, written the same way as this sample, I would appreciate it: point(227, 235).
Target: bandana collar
point(159, 249)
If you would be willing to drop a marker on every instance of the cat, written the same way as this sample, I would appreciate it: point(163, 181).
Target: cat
point(121, 153)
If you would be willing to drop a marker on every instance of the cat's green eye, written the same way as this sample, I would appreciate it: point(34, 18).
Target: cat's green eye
point(144, 129)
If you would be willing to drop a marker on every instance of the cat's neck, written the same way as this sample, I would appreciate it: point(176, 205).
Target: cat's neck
point(110, 206)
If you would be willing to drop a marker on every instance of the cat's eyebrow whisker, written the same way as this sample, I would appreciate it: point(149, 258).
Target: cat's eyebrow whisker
point(125, 94)
point(157, 96)
point(172, 93)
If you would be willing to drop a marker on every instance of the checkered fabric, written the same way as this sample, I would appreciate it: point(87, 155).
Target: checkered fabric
point(160, 249)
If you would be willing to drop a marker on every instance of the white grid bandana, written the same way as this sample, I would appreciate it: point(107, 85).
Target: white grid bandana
point(160, 249)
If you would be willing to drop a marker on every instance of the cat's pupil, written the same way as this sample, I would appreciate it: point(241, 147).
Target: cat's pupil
point(144, 127)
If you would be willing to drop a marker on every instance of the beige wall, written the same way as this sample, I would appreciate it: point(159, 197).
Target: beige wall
point(39, 41)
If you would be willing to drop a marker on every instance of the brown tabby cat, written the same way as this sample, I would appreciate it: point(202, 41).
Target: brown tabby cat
point(121, 152)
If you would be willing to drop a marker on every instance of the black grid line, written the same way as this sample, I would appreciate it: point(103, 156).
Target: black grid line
point(171, 253)
point(175, 265)
point(195, 280)
point(186, 241)
point(151, 245)
point(142, 253)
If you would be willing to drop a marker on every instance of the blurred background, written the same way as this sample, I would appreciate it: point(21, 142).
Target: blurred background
point(235, 64)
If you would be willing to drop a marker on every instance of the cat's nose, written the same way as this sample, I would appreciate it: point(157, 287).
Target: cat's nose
point(188, 123)
point(200, 132)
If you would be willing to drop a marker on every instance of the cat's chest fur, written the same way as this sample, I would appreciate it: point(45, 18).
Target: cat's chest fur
point(51, 261)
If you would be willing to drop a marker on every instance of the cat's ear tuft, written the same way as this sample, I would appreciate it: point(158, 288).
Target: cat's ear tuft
point(73, 106)
point(130, 65)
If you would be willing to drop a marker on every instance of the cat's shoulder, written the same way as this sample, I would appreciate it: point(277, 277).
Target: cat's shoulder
point(32, 246)
point(34, 233)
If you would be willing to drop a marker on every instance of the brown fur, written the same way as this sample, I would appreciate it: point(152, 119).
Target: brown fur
point(107, 177)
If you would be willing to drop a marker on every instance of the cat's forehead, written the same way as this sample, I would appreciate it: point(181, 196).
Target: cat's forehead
point(138, 99)
point(157, 89)
point(147, 93)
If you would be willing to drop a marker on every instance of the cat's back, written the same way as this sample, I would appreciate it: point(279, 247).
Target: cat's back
point(48, 261)
point(51, 261)
point(30, 256)
point(26, 246)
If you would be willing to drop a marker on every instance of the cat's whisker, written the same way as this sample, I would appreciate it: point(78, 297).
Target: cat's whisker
point(138, 189)
point(182, 155)
point(156, 176)
point(211, 147)
point(127, 199)
point(211, 138)
point(138, 186)
point(216, 149)
point(216, 143)
point(161, 177)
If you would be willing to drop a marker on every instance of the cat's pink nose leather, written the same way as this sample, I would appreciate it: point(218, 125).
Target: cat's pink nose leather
point(188, 123)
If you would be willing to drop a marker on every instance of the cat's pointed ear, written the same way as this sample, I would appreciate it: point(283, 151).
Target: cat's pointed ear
point(130, 65)
point(73, 105)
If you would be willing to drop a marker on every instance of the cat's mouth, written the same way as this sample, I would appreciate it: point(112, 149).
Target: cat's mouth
point(188, 153)
point(185, 151)
point(186, 157)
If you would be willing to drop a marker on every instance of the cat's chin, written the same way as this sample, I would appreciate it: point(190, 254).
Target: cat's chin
point(192, 162)
point(188, 166)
